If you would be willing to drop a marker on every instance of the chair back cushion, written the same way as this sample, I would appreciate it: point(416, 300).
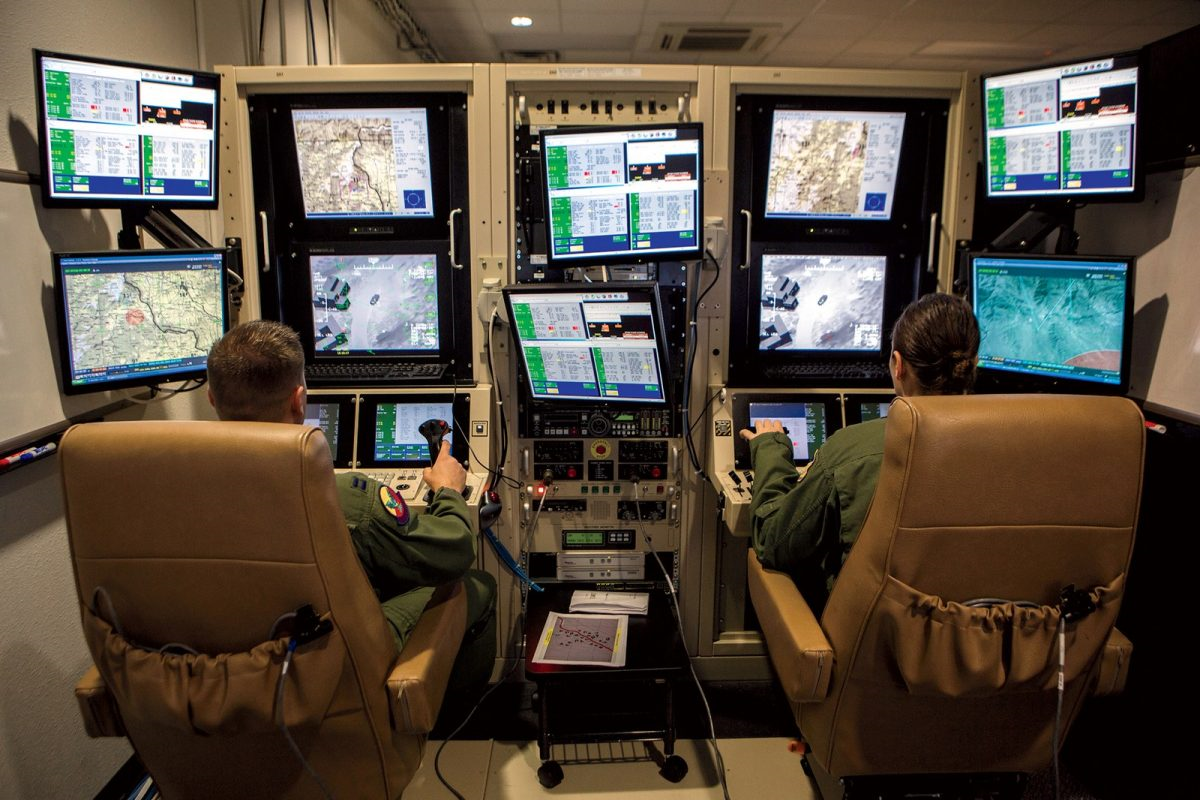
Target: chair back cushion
point(203, 534)
point(1002, 499)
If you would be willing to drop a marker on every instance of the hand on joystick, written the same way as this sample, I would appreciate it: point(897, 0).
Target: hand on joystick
point(434, 430)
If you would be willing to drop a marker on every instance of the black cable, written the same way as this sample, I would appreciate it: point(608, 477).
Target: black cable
point(437, 769)
point(712, 728)
point(287, 661)
point(311, 45)
point(693, 348)
point(328, 31)
point(262, 21)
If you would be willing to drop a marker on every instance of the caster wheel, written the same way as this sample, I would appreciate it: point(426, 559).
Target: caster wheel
point(550, 774)
point(674, 769)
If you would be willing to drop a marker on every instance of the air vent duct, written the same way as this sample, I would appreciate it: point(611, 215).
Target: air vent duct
point(717, 38)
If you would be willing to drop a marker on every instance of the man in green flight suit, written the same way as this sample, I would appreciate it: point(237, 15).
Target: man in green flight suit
point(256, 373)
point(805, 527)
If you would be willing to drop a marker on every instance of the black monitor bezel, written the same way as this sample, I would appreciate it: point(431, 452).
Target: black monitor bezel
point(657, 321)
point(148, 379)
point(854, 402)
point(368, 405)
point(445, 115)
point(922, 132)
point(747, 361)
point(740, 401)
point(1065, 199)
point(999, 380)
point(632, 257)
point(347, 425)
point(450, 306)
point(140, 201)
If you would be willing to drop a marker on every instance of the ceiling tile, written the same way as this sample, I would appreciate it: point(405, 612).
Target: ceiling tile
point(437, 5)
point(851, 61)
point(830, 45)
point(883, 47)
point(717, 7)
point(611, 6)
point(819, 26)
point(595, 56)
point(947, 29)
point(1182, 13)
point(554, 41)
point(579, 24)
point(878, 8)
point(522, 8)
point(1123, 11)
point(501, 22)
point(742, 10)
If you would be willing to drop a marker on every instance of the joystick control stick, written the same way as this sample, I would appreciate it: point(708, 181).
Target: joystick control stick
point(434, 430)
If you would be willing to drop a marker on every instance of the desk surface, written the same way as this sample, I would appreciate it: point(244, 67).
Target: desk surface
point(655, 647)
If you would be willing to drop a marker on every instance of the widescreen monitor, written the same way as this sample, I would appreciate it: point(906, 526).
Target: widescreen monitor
point(625, 194)
point(833, 164)
point(821, 303)
point(1054, 322)
point(115, 133)
point(374, 304)
point(137, 317)
point(1064, 131)
point(363, 162)
point(598, 342)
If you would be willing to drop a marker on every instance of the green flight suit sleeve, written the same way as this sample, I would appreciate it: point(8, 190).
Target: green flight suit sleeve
point(401, 550)
point(789, 517)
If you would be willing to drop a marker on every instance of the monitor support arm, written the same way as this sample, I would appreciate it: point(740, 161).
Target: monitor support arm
point(164, 225)
point(1034, 226)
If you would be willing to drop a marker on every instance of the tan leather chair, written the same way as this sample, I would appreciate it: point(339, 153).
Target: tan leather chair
point(204, 534)
point(1009, 497)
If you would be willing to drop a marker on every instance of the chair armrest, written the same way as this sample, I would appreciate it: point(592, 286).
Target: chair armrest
point(418, 680)
point(1114, 664)
point(801, 653)
point(97, 707)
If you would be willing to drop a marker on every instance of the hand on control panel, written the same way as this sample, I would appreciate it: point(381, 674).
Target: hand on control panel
point(763, 426)
point(445, 472)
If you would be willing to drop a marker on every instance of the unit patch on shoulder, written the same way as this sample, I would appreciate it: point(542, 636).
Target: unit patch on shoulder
point(393, 504)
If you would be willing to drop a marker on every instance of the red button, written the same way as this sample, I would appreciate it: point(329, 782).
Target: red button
point(570, 472)
point(655, 472)
point(601, 449)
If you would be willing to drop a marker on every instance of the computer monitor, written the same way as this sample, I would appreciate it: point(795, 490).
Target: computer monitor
point(388, 428)
point(334, 415)
point(374, 304)
point(833, 164)
point(1057, 323)
point(807, 419)
point(137, 317)
point(116, 133)
point(1064, 131)
point(363, 162)
point(596, 343)
point(821, 303)
point(623, 194)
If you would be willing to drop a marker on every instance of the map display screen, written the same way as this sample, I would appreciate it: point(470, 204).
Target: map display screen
point(142, 317)
point(367, 304)
point(828, 164)
point(623, 193)
point(1063, 130)
point(1062, 318)
point(397, 438)
point(822, 302)
point(804, 422)
point(590, 345)
point(115, 133)
point(364, 162)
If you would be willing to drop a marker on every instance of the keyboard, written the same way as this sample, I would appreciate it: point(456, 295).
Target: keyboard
point(840, 371)
point(358, 372)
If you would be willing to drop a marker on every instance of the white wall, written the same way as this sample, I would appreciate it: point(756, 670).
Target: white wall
point(1162, 232)
point(44, 751)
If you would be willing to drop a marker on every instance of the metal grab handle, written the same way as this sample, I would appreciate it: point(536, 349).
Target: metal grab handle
point(264, 242)
point(453, 250)
point(749, 224)
point(933, 232)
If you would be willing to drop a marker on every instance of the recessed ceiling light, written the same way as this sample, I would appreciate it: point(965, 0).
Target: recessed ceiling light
point(521, 22)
